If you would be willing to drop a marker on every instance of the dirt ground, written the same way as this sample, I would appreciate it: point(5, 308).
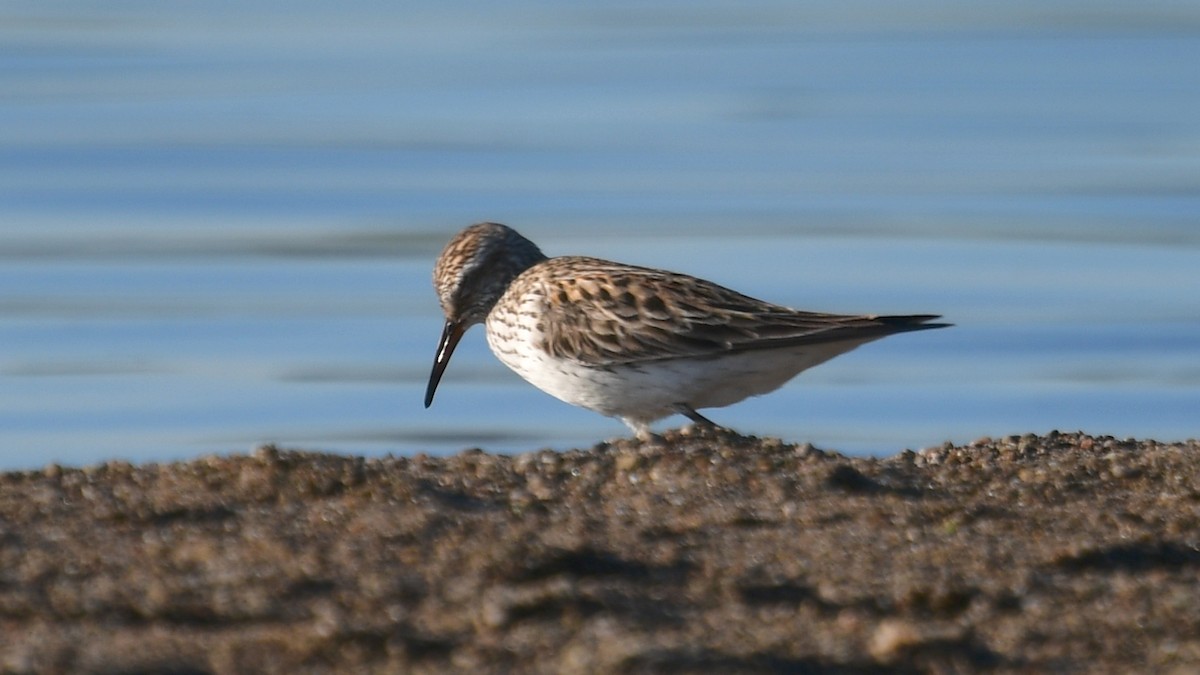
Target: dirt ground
point(702, 551)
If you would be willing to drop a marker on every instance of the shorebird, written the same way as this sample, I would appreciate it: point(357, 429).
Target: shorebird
point(634, 343)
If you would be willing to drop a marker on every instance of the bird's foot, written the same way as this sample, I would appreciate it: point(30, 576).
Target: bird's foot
point(641, 431)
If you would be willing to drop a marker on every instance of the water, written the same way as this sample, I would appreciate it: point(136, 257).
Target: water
point(217, 220)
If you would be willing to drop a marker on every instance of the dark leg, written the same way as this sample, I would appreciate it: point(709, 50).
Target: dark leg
point(689, 412)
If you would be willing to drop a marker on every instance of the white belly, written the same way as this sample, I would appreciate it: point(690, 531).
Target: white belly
point(649, 391)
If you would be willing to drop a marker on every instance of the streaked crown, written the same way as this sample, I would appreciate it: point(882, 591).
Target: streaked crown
point(476, 268)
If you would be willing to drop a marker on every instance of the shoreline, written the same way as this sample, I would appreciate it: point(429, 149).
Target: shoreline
point(701, 550)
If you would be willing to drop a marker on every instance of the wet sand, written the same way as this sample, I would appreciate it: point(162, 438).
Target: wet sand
point(704, 551)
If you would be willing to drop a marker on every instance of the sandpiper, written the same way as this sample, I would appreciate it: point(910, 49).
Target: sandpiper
point(630, 342)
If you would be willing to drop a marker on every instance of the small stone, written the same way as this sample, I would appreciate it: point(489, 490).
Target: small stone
point(891, 638)
point(628, 462)
point(540, 488)
point(520, 498)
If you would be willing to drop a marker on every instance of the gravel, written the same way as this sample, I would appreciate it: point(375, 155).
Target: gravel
point(698, 551)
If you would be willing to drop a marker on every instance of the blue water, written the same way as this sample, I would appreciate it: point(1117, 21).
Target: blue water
point(218, 219)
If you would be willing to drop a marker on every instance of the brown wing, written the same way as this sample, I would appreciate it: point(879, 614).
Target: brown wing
point(603, 313)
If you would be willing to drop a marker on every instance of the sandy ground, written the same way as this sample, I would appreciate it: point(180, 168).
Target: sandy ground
point(700, 552)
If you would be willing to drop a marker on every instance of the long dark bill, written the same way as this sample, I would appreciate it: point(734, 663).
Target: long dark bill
point(451, 334)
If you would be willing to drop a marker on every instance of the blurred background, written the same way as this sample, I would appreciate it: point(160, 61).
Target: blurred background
point(218, 219)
